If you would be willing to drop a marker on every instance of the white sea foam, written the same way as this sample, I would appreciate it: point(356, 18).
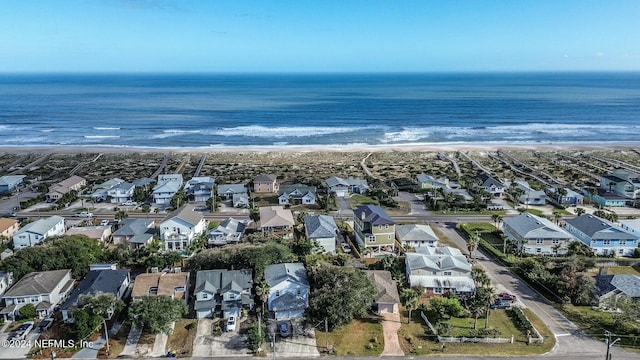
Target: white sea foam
point(102, 136)
point(47, 130)
point(105, 128)
point(174, 132)
point(279, 132)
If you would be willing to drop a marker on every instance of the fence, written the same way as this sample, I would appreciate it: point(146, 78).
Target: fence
point(451, 339)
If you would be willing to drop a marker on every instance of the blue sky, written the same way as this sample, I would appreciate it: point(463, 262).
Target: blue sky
point(318, 36)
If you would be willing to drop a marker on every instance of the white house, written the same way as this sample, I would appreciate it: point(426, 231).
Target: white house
point(38, 231)
point(101, 191)
point(166, 187)
point(536, 235)
point(229, 231)
point(491, 185)
point(222, 291)
point(530, 196)
point(416, 235)
point(120, 193)
point(323, 230)
point(288, 290)
point(297, 194)
point(180, 227)
point(344, 187)
point(45, 290)
point(200, 188)
point(439, 270)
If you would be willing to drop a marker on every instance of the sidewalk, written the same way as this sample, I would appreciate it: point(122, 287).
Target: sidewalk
point(130, 347)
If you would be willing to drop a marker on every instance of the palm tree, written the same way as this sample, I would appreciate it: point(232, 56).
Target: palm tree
point(557, 216)
point(472, 244)
point(410, 299)
point(262, 290)
point(580, 211)
point(561, 192)
point(480, 277)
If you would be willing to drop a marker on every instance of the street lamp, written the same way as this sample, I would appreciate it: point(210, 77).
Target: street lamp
point(609, 344)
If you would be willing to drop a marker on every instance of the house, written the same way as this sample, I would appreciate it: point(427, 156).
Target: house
point(97, 282)
point(38, 231)
point(344, 187)
point(416, 235)
point(221, 291)
point(530, 196)
point(374, 228)
point(74, 183)
point(8, 227)
point(323, 230)
point(288, 290)
point(227, 191)
point(181, 227)
point(276, 220)
point(603, 237)
point(536, 235)
point(121, 193)
point(101, 191)
point(6, 280)
point(622, 182)
point(240, 200)
point(631, 226)
point(45, 290)
point(439, 270)
point(8, 183)
point(386, 299)
point(100, 233)
point(131, 228)
point(166, 187)
point(297, 194)
point(266, 183)
point(490, 185)
point(429, 182)
point(610, 289)
point(570, 198)
point(172, 284)
point(605, 198)
point(230, 231)
point(200, 188)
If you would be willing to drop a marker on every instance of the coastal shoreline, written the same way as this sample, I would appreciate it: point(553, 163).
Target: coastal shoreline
point(433, 147)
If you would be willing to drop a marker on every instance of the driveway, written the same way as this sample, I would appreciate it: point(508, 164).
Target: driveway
point(301, 342)
point(570, 340)
point(226, 345)
point(390, 326)
point(17, 352)
point(416, 201)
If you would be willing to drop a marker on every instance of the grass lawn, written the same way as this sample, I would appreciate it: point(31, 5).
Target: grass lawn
point(265, 199)
point(444, 240)
point(362, 337)
point(480, 227)
point(403, 208)
point(416, 339)
point(356, 200)
point(458, 212)
point(181, 339)
point(535, 212)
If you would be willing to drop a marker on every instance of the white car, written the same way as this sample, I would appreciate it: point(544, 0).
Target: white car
point(130, 203)
point(231, 323)
point(104, 222)
point(84, 214)
point(345, 247)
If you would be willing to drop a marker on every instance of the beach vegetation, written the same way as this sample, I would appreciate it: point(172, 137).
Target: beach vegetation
point(157, 313)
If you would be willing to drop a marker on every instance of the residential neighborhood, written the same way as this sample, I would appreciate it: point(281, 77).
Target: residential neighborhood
point(302, 256)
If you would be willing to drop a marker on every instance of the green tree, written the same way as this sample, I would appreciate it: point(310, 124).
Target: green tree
point(156, 313)
point(339, 294)
point(85, 322)
point(444, 307)
point(254, 215)
point(410, 299)
point(100, 304)
point(579, 211)
point(479, 302)
point(179, 199)
point(27, 312)
point(262, 292)
point(256, 336)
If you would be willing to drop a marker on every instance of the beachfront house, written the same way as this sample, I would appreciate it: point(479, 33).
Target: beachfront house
point(38, 231)
point(439, 271)
point(181, 227)
point(323, 230)
point(374, 228)
point(605, 198)
point(622, 182)
point(172, 284)
point(58, 190)
point(277, 221)
point(44, 289)
point(288, 290)
point(166, 187)
point(429, 182)
point(121, 193)
point(490, 185)
point(101, 191)
point(106, 281)
point(416, 235)
point(200, 188)
point(386, 299)
point(569, 198)
point(229, 231)
point(222, 292)
point(530, 196)
point(536, 235)
point(9, 183)
point(297, 194)
point(266, 183)
point(602, 236)
point(345, 187)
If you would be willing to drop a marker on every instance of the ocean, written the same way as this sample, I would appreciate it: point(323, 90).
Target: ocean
point(280, 110)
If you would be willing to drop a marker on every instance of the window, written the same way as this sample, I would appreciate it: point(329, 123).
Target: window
point(153, 290)
point(35, 299)
point(178, 289)
point(21, 300)
point(437, 290)
point(623, 242)
point(447, 273)
point(434, 273)
point(539, 241)
point(538, 250)
point(372, 238)
point(606, 242)
point(205, 296)
point(299, 292)
point(379, 227)
point(277, 292)
point(555, 241)
point(386, 226)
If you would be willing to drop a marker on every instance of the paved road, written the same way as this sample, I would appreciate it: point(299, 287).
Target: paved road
point(570, 340)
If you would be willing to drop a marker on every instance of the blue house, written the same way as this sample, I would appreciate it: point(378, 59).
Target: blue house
point(9, 183)
point(606, 198)
point(603, 237)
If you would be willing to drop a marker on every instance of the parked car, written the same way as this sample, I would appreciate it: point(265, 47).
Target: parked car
point(345, 247)
point(22, 331)
point(507, 296)
point(104, 222)
point(130, 203)
point(284, 329)
point(501, 304)
point(84, 214)
point(45, 324)
point(231, 323)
